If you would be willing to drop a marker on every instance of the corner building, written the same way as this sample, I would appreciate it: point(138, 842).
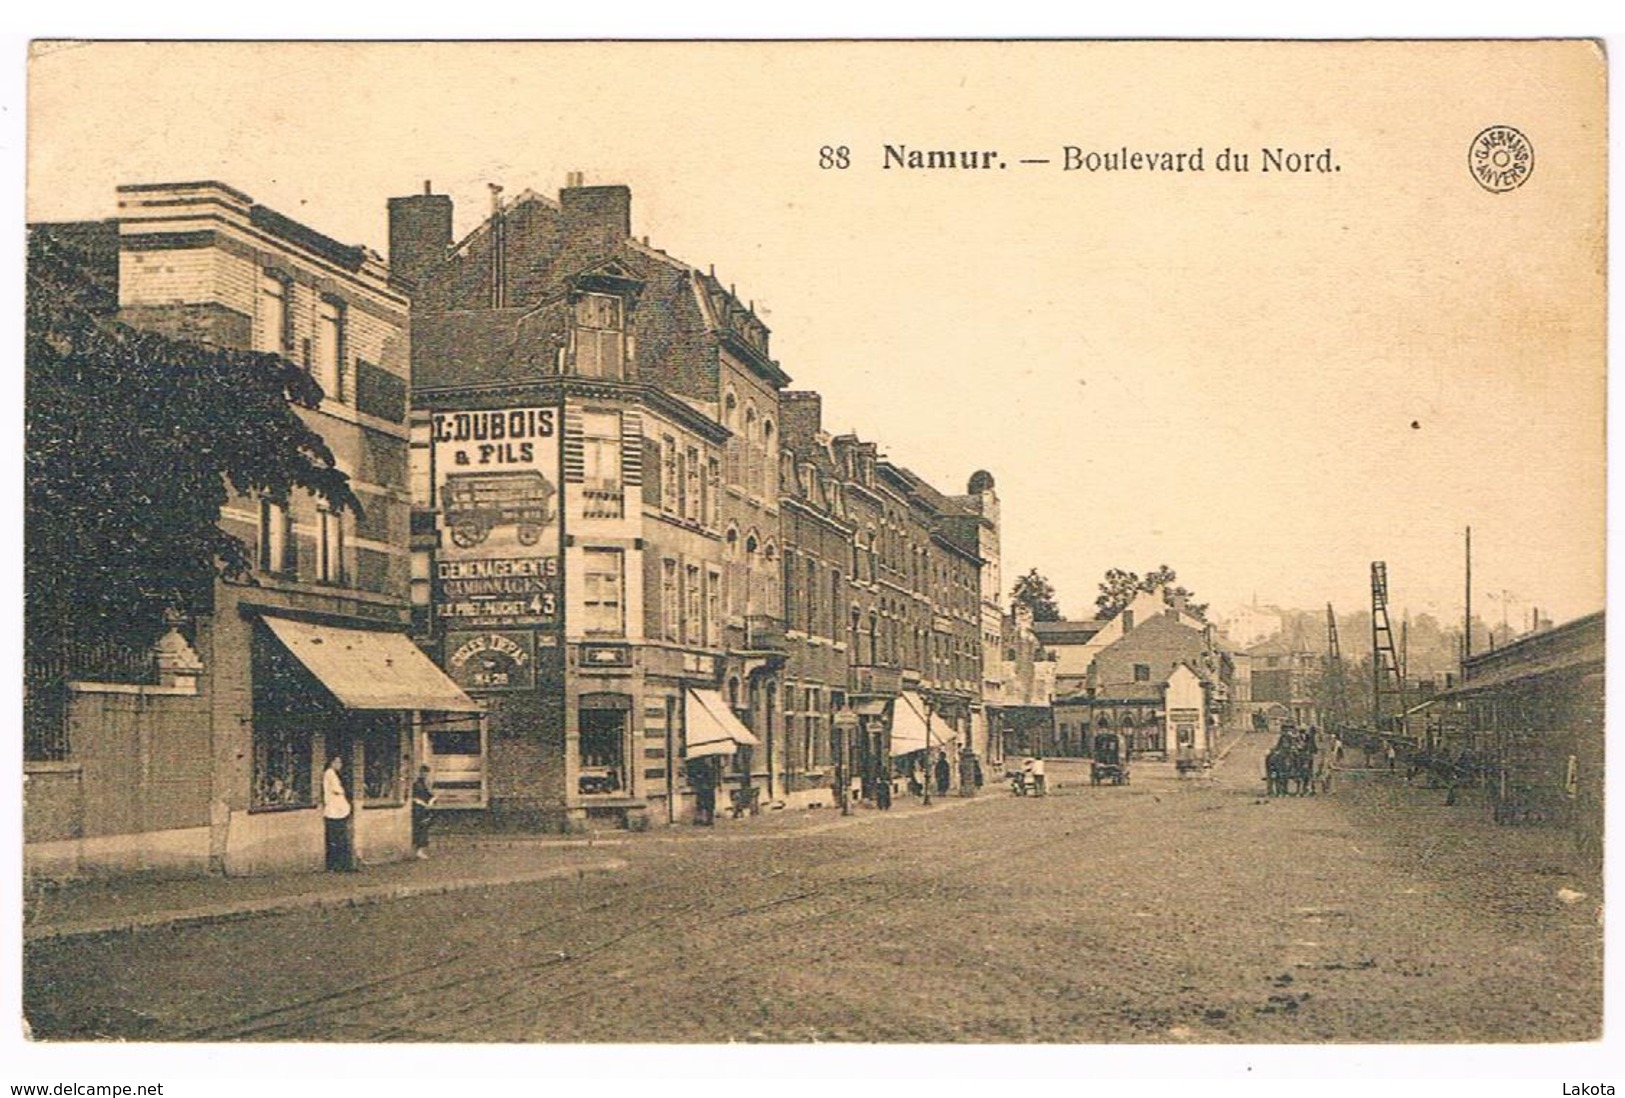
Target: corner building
point(610, 584)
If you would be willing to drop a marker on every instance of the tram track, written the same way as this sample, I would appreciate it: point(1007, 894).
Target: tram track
point(692, 922)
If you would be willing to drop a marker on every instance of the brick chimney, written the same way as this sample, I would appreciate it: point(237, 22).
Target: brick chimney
point(1176, 604)
point(801, 416)
point(419, 233)
point(598, 219)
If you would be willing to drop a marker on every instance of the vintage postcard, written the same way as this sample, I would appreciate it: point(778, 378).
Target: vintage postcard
point(825, 543)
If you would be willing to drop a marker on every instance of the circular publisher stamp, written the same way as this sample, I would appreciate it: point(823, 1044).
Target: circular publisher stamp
point(1501, 159)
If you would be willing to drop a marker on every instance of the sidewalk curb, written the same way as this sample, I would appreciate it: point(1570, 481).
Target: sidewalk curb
point(735, 832)
point(215, 914)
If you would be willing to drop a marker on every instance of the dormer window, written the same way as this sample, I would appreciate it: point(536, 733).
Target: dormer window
point(600, 336)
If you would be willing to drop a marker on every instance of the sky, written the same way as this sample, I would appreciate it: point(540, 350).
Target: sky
point(1266, 380)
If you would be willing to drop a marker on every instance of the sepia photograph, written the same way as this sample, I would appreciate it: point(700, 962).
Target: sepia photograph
point(957, 543)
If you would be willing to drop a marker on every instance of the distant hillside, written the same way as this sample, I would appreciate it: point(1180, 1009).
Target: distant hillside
point(1431, 650)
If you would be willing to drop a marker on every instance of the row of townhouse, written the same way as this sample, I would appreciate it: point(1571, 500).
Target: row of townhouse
point(638, 547)
point(607, 560)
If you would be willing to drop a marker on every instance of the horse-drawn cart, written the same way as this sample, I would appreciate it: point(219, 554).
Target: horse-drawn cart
point(1109, 759)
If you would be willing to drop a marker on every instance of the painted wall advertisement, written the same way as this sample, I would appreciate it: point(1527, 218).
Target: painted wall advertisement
point(492, 659)
point(501, 538)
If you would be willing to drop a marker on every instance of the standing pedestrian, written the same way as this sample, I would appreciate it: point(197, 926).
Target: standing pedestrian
point(702, 776)
point(1038, 777)
point(422, 815)
point(944, 775)
point(336, 818)
point(1389, 753)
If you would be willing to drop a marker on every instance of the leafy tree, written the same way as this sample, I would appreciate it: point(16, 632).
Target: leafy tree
point(132, 442)
point(1119, 588)
point(1035, 593)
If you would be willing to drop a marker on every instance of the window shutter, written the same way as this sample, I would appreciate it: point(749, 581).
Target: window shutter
point(575, 462)
point(632, 449)
point(650, 457)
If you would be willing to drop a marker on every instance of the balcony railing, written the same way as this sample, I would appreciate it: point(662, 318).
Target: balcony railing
point(764, 633)
point(603, 503)
point(865, 679)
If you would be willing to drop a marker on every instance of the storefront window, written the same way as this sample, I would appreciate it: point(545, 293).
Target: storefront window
point(602, 750)
point(286, 724)
point(282, 764)
point(381, 745)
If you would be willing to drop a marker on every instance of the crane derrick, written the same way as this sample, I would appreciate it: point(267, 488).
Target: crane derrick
point(1387, 675)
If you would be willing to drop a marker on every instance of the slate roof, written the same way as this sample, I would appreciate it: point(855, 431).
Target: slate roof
point(681, 315)
point(918, 486)
point(1067, 632)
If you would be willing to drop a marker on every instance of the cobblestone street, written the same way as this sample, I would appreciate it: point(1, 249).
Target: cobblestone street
point(1165, 911)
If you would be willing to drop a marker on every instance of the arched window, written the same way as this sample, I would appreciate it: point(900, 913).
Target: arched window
point(791, 588)
point(732, 582)
point(813, 621)
point(752, 455)
point(730, 420)
point(753, 596)
point(770, 458)
point(874, 638)
point(770, 579)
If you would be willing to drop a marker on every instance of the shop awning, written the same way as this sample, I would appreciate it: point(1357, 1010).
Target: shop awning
point(871, 707)
point(711, 728)
point(368, 670)
point(908, 731)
